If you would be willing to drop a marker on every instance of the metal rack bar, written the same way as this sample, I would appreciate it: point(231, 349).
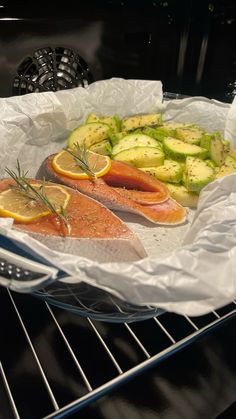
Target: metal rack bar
point(98, 392)
point(134, 335)
point(14, 409)
point(57, 408)
point(164, 330)
point(191, 322)
point(216, 314)
point(137, 340)
point(105, 346)
point(49, 390)
point(85, 379)
point(100, 338)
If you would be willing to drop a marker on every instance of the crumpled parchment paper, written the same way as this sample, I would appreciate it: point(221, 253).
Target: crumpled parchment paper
point(190, 269)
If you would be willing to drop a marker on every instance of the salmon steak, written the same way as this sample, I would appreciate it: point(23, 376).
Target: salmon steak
point(124, 188)
point(94, 231)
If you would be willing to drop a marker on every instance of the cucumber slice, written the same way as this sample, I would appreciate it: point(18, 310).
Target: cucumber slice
point(139, 121)
point(171, 171)
point(134, 140)
point(182, 195)
point(88, 134)
point(178, 150)
point(141, 156)
point(197, 174)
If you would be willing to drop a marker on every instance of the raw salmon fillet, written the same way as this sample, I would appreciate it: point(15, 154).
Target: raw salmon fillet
point(95, 232)
point(121, 175)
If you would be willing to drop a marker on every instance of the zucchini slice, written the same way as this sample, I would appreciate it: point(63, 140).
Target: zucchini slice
point(113, 121)
point(134, 140)
point(141, 156)
point(88, 134)
point(104, 147)
point(197, 174)
point(178, 150)
point(227, 168)
point(139, 121)
point(191, 135)
point(232, 153)
point(215, 146)
point(182, 195)
point(171, 171)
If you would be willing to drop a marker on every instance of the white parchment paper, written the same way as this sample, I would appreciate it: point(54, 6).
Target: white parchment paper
point(190, 269)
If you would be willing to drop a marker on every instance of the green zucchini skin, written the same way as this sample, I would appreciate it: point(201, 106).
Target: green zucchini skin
point(179, 150)
point(88, 134)
point(197, 174)
point(170, 171)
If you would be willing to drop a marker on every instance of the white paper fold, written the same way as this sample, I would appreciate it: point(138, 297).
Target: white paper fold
point(191, 269)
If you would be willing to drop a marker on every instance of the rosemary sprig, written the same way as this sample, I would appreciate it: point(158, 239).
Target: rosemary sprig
point(81, 158)
point(24, 186)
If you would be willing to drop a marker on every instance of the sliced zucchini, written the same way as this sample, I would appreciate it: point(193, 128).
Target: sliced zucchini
point(88, 134)
point(190, 135)
point(154, 133)
point(113, 121)
point(227, 168)
point(141, 156)
point(104, 147)
point(117, 136)
point(197, 174)
point(226, 146)
point(92, 117)
point(211, 163)
point(178, 150)
point(170, 171)
point(139, 121)
point(205, 141)
point(133, 140)
point(182, 195)
point(215, 146)
point(232, 153)
point(172, 126)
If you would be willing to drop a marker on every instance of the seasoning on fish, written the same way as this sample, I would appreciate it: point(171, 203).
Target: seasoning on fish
point(87, 219)
point(123, 175)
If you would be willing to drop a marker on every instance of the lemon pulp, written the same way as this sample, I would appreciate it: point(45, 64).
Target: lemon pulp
point(67, 165)
point(17, 205)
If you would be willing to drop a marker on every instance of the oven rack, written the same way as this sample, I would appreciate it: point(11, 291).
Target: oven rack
point(53, 363)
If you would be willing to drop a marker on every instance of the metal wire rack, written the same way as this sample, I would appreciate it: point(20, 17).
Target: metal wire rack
point(55, 362)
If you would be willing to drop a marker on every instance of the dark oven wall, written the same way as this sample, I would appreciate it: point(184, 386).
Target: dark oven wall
point(188, 45)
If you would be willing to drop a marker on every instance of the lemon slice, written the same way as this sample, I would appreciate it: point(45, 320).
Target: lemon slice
point(15, 204)
point(67, 165)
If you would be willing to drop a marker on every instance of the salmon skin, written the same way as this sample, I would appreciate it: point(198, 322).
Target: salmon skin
point(87, 219)
point(170, 214)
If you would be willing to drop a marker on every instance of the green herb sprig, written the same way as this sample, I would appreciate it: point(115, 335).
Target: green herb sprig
point(27, 189)
point(81, 158)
